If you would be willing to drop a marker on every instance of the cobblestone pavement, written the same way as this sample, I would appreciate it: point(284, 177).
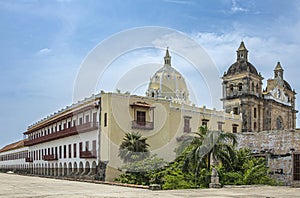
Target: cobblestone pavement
point(12, 185)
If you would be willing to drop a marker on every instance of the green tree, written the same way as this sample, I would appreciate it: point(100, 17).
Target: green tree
point(133, 148)
point(245, 170)
point(207, 145)
point(141, 172)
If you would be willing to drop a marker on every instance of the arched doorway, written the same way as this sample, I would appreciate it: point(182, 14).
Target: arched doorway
point(75, 168)
point(60, 169)
point(65, 169)
point(42, 169)
point(45, 169)
point(87, 168)
point(70, 169)
point(56, 169)
point(80, 168)
point(50, 169)
point(94, 168)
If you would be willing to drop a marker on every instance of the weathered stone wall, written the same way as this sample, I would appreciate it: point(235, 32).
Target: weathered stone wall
point(281, 169)
point(277, 147)
point(277, 142)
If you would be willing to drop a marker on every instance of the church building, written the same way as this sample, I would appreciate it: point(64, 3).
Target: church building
point(272, 108)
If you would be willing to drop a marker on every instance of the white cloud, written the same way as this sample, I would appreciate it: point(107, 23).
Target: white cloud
point(43, 51)
point(236, 8)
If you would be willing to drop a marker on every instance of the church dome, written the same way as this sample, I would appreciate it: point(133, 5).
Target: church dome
point(168, 83)
point(242, 65)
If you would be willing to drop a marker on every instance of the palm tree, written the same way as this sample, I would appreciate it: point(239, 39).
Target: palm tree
point(133, 148)
point(207, 145)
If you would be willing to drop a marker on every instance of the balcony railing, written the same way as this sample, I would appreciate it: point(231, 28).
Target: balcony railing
point(87, 154)
point(86, 127)
point(142, 125)
point(28, 159)
point(50, 157)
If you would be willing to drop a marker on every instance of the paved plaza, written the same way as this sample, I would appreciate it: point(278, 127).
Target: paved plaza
point(25, 186)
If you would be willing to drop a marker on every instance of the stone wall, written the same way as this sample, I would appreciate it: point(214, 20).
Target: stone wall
point(277, 147)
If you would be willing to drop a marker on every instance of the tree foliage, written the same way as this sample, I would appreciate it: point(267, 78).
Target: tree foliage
point(209, 145)
point(245, 170)
point(141, 172)
point(133, 148)
point(192, 167)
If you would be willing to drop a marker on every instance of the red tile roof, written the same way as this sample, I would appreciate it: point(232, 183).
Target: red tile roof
point(13, 146)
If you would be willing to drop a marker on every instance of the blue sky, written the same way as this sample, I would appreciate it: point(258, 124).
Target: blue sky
point(43, 44)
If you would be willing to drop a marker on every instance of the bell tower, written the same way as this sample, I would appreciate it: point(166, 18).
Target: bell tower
point(167, 58)
point(242, 91)
point(278, 71)
point(242, 53)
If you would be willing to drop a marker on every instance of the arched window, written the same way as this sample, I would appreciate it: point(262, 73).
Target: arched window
point(252, 87)
point(279, 93)
point(231, 87)
point(240, 85)
point(279, 123)
point(152, 94)
point(257, 88)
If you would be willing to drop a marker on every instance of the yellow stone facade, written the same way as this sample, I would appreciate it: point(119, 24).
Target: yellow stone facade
point(166, 123)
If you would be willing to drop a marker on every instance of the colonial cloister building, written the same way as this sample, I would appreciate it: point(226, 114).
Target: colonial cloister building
point(82, 140)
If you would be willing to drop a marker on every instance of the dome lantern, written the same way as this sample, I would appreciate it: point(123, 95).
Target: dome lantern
point(168, 83)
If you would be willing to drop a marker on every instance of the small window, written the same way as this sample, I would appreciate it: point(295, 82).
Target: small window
point(69, 124)
point(187, 128)
point(65, 151)
point(80, 147)
point(234, 128)
point(105, 119)
point(60, 152)
point(254, 113)
point(236, 110)
point(94, 147)
point(240, 86)
point(220, 126)
point(141, 117)
point(254, 126)
point(87, 146)
point(70, 151)
point(74, 122)
point(87, 118)
point(204, 122)
point(279, 93)
point(74, 150)
point(279, 123)
point(231, 87)
point(80, 121)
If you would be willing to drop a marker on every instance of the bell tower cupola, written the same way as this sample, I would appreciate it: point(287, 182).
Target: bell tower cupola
point(278, 71)
point(167, 58)
point(242, 53)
